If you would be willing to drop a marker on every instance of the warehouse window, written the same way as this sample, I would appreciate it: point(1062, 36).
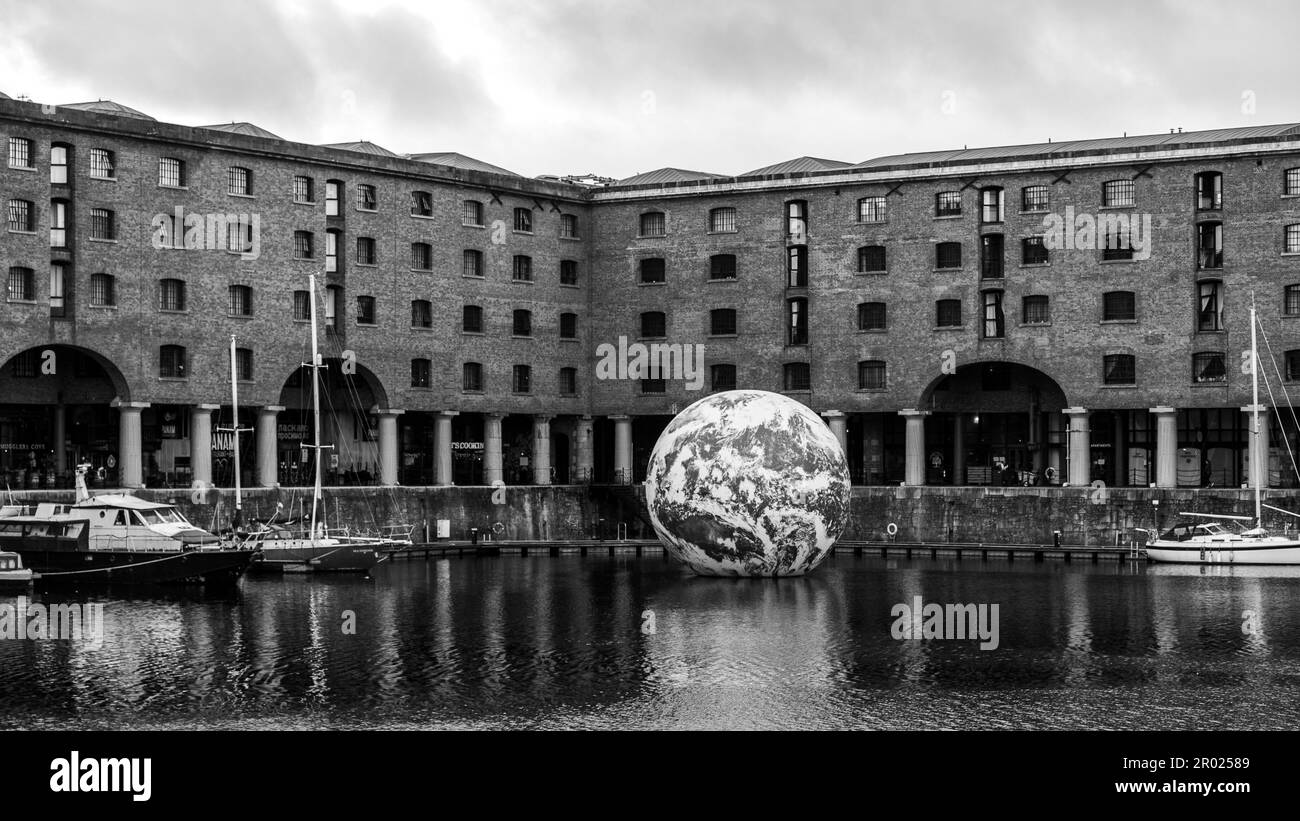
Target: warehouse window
point(991, 204)
point(59, 164)
point(722, 220)
point(797, 376)
point(103, 291)
point(171, 172)
point(366, 313)
point(1209, 367)
point(947, 255)
point(871, 316)
point(524, 220)
point(1033, 251)
point(421, 204)
point(797, 266)
point(240, 300)
point(102, 224)
point(421, 256)
point(1119, 369)
point(303, 190)
point(1035, 198)
point(654, 325)
point(523, 322)
point(871, 209)
point(367, 197)
point(239, 181)
point(171, 295)
point(871, 259)
point(1119, 194)
point(652, 224)
point(472, 264)
point(1118, 306)
point(171, 362)
point(797, 321)
point(471, 377)
point(1209, 313)
point(365, 251)
point(722, 322)
point(947, 313)
point(421, 313)
point(722, 377)
point(1209, 191)
point(1209, 245)
point(994, 319)
point(471, 319)
point(568, 381)
point(947, 204)
point(871, 375)
point(20, 152)
point(1035, 310)
point(652, 271)
point(421, 373)
point(722, 266)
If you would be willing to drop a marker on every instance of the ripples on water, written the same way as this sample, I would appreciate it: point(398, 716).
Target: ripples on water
point(558, 642)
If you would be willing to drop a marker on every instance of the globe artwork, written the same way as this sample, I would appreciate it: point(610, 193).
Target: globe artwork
point(748, 483)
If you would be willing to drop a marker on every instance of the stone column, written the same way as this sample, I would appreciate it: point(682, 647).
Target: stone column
point(492, 448)
point(1166, 446)
point(1257, 446)
point(388, 446)
point(583, 449)
point(267, 445)
point(60, 439)
point(839, 428)
point(622, 449)
point(442, 447)
point(129, 443)
point(1080, 447)
point(201, 444)
point(541, 449)
point(914, 474)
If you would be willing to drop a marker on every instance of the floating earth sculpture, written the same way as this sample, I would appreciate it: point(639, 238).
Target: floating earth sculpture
point(748, 483)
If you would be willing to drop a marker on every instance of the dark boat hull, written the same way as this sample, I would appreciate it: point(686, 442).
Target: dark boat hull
point(339, 558)
point(206, 567)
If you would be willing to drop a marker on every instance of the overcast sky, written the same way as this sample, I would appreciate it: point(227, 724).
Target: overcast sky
point(621, 87)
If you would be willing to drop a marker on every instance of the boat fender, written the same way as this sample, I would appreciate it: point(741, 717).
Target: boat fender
point(1050, 474)
point(891, 529)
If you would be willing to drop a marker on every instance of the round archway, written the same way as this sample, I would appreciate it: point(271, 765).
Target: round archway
point(55, 412)
point(350, 394)
point(995, 423)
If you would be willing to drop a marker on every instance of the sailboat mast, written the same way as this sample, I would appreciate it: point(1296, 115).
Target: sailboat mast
point(1258, 460)
point(315, 404)
point(234, 407)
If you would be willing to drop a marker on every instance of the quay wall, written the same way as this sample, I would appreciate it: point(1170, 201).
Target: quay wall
point(1085, 516)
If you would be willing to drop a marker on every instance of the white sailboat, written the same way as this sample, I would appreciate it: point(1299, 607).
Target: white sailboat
point(1205, 538)
point(287, 549)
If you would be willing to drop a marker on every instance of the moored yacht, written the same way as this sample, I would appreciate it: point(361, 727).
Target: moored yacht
point(116, 539)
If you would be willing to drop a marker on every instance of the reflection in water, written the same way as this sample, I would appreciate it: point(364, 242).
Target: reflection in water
point(562, 642)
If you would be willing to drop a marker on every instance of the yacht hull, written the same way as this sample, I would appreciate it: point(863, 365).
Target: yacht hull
point(1271, 551)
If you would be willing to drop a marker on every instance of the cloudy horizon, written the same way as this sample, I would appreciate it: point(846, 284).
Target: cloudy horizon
point(578, 86)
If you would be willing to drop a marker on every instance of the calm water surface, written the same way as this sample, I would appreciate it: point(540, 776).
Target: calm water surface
point(569, 642)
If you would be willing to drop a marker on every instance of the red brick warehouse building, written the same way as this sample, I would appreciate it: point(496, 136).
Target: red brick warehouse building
point(1076, 309)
